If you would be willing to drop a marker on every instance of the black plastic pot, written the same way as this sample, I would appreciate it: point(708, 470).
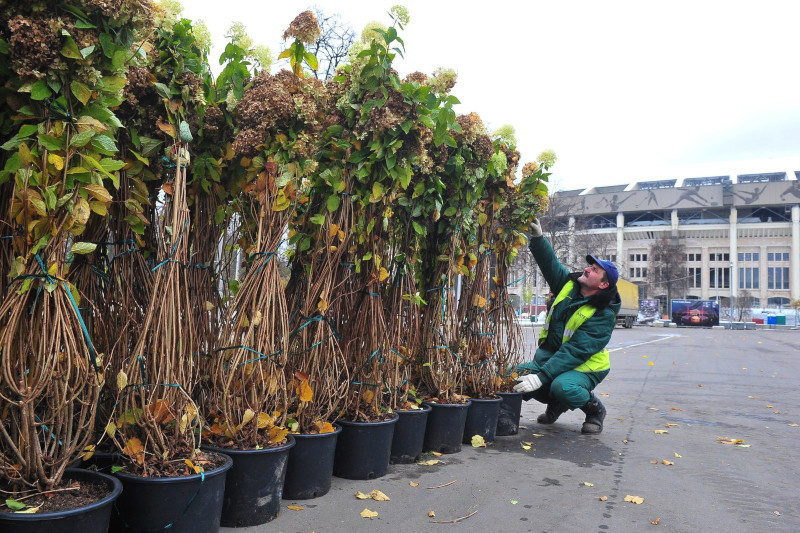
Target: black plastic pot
point(254, 484)
point(363, 449)
point(482, 419)
point(510, 409)
point(409, 434)
point(190, 504)
point(310, 466)
point(93, 518)
point(445, 427)
point(100, 461)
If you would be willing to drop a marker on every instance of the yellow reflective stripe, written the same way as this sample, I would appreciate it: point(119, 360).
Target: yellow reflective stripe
point(596, 363)
point(563, 293)
point(568, 334)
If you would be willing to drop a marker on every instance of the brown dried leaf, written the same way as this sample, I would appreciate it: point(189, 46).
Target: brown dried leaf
point(667, 463)
point(603, 498)
point(656, 521)
point(431, 514)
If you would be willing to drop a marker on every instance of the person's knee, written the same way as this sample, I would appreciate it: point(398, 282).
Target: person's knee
point(569, 394)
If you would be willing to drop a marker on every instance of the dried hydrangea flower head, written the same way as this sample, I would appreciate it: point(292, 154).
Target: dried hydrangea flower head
point(547, 158)
point(304, 28)
point(443, 80)
point(529, 168)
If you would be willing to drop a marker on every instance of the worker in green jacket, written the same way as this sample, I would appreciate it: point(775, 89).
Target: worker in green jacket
point(572, 358)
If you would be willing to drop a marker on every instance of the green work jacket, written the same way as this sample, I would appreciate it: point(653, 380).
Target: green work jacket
point(554, 357)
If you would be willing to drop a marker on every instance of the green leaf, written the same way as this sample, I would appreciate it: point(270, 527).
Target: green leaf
point(83, 248)
point(86, 52)
point(377, 191)
point(107, 42)
point(162, 90)
point(27, 130)
point(111, 164)
point(450, 211)
point(418, 227)
point(84, 24)
point(81, 91)
point(104, 144)
point(419, 190)
point(115, 469)
point(185, 132)
point(3, 46)
point(367, 256)
point(50, 142)
point(318, 219)
point(333, 202)
point(113, 84)
point(82, 138)
point(311, 59)
point(14, 505)
point(119, 58)
point(70, 49)
point(40, 90)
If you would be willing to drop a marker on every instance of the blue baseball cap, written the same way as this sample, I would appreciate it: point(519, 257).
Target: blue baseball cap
point(608, 266)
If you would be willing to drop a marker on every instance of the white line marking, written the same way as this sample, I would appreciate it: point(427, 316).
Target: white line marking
point(642, 343)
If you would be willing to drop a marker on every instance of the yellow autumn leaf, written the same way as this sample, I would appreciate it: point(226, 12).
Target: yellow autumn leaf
point(478, 441)
point(277, 434)
point(437, 454)
point(667, 463)
point(294, 507)
point(87, 452)
point(366, 513)
point(322, 305)
point(122, 380)
point(361, 496)
point(726, 440)
point(526, 446)
point(305, 391)
point(333, 230)
point(538, 435)
point(56, 160)
point(634, 499)
point(111, 429)
point(382, 274)
point(184, 423)
point(429, 462)
point(244, 322)
point(264, 420)
point(209, 305)
point(679, 456)
point(669, 425)
point(431, 514)
point(81, 211)
point(651, 363)
point(133, 449)
point(413, 483)
point(196, 468)
point(249, 414)
point(603, 498)
point(587, 484)
point(326, 427)
point(257, 318)
point(660, 431)
point(29, 510)
point(379, 496)
point(368, 396)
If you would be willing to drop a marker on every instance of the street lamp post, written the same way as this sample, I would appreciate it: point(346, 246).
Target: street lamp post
point(730, 282)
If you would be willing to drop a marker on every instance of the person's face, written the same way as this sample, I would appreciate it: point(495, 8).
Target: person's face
point(593, 278)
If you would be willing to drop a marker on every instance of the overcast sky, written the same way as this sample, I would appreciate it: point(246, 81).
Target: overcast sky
point(621, 90)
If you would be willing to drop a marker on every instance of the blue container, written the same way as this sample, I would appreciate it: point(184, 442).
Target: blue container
point(772, 320)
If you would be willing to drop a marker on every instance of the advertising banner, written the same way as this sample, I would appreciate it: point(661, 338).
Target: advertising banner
point(703, 313)
point(648, 309)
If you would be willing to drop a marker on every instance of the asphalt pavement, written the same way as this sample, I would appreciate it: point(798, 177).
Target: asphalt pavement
point(702, 430)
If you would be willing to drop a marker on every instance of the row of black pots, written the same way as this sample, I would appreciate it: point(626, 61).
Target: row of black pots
point(247, 490)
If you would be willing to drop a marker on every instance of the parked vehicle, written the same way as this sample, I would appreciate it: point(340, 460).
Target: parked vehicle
point(629, 293)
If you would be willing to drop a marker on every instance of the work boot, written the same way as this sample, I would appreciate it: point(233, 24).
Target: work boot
point(595, 414)
point(551, 414)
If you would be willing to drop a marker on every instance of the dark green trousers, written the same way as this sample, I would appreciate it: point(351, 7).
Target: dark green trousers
point(570, 389)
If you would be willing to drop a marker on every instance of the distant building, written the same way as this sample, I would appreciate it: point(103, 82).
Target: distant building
point(738, 233)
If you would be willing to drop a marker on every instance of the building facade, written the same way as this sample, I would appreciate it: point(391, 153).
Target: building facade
point(738, 235)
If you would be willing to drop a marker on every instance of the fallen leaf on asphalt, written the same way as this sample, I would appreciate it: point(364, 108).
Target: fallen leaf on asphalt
point(656, 521)
point(437, 454)
point(769, 407)
point(676, 409)
point(726, 440)
point(586, 483)
point(361, 496)
point(651, 363)
point(605, 394)
point(667, 463)
point(413, 483)
point(754, 397)
point(621, 418)
point(378, 496)
point(603, 498)
point(744, 368)
point(670, 425)
point(625, 441)
point(431, 514)
point(777, 512)
point(523, 427)
point(429, 462)
point(660, 431)
point(654, 408)
point(526, 446)
point(699, 384)
point(679, 456)
point(792, 425)
point(634, 499)
point(514, 502)
point(366, 513)
point(478, 441)
point(294, 507)
point(537, 435)
point(644, 357)
point(742, 445)
point(526, 443)
point(653, 462)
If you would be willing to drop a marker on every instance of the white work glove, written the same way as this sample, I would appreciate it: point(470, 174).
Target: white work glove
point(528, 383)
point(535, 229)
